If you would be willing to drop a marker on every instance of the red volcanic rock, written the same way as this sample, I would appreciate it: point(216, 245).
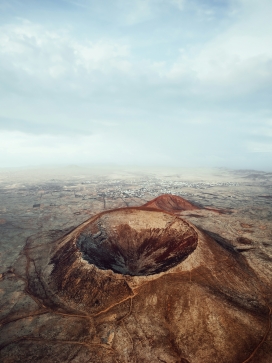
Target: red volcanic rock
point(170, 203)
point(175, 204)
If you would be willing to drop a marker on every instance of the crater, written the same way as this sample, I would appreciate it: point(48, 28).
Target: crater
point(136, 242)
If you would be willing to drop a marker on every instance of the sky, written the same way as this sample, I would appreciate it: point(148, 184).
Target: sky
point(184, 83)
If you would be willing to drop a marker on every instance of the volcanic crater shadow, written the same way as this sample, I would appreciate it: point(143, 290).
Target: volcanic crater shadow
point(137, 243)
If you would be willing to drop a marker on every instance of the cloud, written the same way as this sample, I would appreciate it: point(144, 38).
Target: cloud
point(81, 4)
point(37, 51)
point(234, 62)
point(260, 147)
point(178, 3)
point(139, 11)
point(182, 82)
point(238, 58)
point(19, 149)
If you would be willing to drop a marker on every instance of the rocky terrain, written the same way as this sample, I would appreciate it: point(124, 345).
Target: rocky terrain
point(170, 279)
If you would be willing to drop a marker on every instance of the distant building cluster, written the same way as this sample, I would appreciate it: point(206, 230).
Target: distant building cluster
point(153, 187)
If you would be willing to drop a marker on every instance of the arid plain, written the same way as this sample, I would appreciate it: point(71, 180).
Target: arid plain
point(213, 303)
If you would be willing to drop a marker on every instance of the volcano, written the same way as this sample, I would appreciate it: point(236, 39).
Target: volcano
point(135, 285)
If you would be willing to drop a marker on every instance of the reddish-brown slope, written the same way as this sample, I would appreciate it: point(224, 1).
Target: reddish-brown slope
point(175, 204)
point(170, 203)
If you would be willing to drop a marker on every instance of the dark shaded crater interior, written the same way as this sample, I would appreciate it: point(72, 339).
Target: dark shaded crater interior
point(137, 243)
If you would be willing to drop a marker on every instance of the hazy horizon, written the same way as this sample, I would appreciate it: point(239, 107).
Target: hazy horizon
point(108, 169)
point(163, 83)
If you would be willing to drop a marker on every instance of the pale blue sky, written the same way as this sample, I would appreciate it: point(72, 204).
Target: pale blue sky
point(154, 82)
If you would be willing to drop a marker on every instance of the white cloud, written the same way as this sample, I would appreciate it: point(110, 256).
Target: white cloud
point(19, 149)
point(140, 10)
point(239, 58)
point(178, 3)
point(150, 83)
point(33, 49)
point(259, 147)
point(102, 55)
point(264, 129)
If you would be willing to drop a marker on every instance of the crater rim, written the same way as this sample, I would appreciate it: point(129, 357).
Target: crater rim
point(136, 241)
